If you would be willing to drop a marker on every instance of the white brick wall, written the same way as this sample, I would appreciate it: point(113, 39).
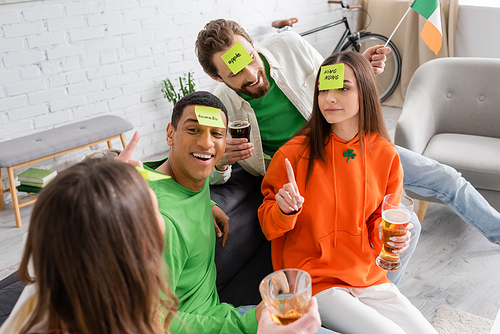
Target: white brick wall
point(13, 44)
point(70, 60)
point(46, 40)
point(13, 59)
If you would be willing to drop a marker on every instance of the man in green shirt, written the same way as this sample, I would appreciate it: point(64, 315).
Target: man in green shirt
point(184, 202)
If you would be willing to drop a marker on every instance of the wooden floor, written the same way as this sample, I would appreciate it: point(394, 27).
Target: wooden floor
point(453, 264)
point(11, 238)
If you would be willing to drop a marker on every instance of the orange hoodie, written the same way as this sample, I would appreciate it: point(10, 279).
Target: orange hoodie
point(331, 236)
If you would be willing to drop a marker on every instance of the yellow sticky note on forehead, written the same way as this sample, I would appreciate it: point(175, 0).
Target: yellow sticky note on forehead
point(209, 116)
point(331, 77)
point(236, 58)
point(150, 175)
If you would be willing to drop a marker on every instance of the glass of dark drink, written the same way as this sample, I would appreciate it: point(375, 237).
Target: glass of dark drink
point(239, 125)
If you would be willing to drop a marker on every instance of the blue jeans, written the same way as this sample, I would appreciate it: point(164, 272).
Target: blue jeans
point(428, 177)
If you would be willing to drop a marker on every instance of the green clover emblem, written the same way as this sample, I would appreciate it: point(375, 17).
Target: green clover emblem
point(349, 154)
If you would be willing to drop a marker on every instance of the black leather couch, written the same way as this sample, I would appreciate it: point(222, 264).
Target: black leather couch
point(10, 290)
point(246, 258)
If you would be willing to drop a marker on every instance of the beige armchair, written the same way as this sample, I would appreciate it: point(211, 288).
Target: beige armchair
point(451, 114)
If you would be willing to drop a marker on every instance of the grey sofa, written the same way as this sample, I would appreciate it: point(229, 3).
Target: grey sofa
point(451, 114)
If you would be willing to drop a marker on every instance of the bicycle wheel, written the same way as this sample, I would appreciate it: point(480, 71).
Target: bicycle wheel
point(389, 79)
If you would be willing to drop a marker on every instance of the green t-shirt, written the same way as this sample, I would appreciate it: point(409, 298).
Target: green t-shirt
point(278, 118)
point(189, 253)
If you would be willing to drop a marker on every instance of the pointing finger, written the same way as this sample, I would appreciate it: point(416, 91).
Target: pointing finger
point(291, 175)
point(126, 154)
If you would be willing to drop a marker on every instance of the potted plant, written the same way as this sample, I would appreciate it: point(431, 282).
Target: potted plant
point(172, 94)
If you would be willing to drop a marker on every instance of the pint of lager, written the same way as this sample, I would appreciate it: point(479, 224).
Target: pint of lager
point(396, 214)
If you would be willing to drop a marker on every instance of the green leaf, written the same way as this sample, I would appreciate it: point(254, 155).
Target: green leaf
point(186, 86)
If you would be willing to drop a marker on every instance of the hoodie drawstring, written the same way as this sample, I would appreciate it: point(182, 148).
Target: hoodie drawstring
point(365, 192)
point(363, 158)
point(335, 193)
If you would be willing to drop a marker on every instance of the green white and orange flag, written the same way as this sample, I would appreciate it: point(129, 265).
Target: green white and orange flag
point(431, 33)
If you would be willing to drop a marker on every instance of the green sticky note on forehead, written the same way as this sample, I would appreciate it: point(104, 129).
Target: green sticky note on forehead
point(331, 77)
point(236, 58)
point(209, 116)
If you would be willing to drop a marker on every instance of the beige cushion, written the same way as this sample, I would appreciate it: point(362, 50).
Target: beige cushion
point(476, 157)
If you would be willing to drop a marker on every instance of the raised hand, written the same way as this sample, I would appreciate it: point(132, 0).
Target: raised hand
point(376, 57)
point(288, 197)
point(126, 154)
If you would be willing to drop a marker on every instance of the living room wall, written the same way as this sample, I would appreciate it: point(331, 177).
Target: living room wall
point(477, 30)
point(68, 60)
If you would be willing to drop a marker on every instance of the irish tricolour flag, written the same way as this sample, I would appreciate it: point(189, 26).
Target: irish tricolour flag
point(431, 33)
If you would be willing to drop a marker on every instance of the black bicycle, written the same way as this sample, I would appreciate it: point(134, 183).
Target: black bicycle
point(358, 41)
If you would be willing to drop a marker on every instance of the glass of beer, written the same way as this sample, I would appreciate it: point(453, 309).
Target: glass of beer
point(239, 125)
point(287, 293)
point(396, 213)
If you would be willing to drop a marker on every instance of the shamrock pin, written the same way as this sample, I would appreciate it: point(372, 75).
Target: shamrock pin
point(349, 154)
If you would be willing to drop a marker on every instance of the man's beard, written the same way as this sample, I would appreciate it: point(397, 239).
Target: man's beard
point(263, 88)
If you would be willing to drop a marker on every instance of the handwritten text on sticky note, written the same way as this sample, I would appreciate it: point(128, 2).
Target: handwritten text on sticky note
point(236, 58)
point(209, 116)
point(331, 77)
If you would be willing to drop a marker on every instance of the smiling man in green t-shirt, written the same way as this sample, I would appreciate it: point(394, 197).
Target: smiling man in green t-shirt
point(184, 202)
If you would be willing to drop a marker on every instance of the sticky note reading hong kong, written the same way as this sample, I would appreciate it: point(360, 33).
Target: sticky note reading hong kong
point(332, 77)
point(236, 58)
point(150, 175)
point(209, 116)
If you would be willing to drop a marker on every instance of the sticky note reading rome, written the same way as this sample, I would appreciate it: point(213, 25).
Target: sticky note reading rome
point(331, 77)
point(209, 116)
point(236, 58)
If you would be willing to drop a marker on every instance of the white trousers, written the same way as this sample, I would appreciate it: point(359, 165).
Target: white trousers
point(380, 309)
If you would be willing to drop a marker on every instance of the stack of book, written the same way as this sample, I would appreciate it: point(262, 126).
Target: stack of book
point(34, 179)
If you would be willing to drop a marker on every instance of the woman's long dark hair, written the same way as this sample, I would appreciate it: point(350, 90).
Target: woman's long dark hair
point(96, 248)
point(318, 130)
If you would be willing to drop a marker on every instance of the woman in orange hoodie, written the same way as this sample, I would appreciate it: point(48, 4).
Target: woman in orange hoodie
point(325, 217)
